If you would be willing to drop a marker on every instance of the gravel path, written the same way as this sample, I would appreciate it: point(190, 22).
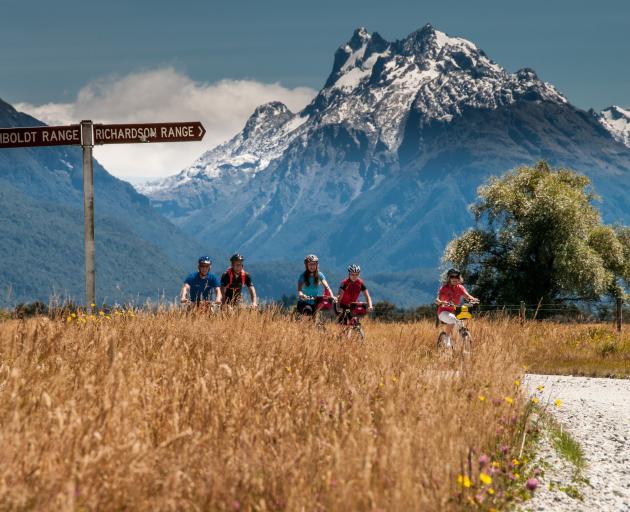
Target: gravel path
point(597, 414)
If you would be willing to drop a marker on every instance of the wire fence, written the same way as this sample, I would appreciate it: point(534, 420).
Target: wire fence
point(570, 311)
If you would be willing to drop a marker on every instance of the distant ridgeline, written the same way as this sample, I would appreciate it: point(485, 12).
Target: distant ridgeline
point(139, 253)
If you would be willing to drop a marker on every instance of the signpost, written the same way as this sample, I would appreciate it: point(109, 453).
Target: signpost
point(87, 135)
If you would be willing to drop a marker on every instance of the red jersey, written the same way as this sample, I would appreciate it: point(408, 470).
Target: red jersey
point(351, 291)
point(452, 294)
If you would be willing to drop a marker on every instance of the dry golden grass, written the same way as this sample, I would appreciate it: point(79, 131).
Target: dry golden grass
point(255, 412)
point(577, 349)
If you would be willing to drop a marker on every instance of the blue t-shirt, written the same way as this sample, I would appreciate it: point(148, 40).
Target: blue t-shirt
point(311, 289)
point(201, 289)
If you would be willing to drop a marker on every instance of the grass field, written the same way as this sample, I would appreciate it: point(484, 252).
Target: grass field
point(256, 412)
point(592, 350)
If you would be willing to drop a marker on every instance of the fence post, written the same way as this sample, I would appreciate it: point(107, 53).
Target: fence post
point(618, 315)
point(521, 313)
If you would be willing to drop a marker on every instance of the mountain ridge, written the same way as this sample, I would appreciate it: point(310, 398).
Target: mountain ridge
point(383, 162)
point(139, 254)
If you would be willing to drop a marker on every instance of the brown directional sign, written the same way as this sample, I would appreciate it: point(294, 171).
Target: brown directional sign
point(40, 136)
point(149, 132)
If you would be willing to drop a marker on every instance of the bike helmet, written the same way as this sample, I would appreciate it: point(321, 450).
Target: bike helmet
point(204, 260)
point(236, 257)
point(453, 272)
point(311, 257)
point(354, 269)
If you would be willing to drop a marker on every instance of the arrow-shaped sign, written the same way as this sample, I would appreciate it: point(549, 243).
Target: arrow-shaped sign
point(149, 132)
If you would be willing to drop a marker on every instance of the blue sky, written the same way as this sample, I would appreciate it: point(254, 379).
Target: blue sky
point(68, 55)
point(48, 50)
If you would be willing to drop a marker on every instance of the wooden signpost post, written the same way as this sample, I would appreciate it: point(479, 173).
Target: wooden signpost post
point(87, 135)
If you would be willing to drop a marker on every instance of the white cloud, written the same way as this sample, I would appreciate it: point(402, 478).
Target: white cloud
point(165, 95)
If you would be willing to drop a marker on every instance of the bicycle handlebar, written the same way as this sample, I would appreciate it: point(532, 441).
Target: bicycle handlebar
point(321, 298)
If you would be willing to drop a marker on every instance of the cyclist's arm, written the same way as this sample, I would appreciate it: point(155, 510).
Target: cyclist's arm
point(469, 297)
point(217, 294)
point(368, 299)
point(340, 293)
point(439, 301)
point(224, 283)
point(252, 295)
point(184, 293)
point(300, 294)
point(327, 287)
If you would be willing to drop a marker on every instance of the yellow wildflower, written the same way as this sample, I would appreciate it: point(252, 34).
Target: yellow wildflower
point(515, 462)
point(101, 313)
point(485, 479)
point(558, 402)
point(509, 400)
point(69, 319)
point(517, 383)
point(495, 464)
point(516, 476)
point(540, 388)
point(490, 491)
point(73, 315)
point(535, 400)
point(482, 398)
point(464, 481)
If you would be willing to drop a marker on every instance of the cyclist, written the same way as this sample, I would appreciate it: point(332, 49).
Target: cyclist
point(233, 280)
point(198, 286)
point(449, 297)
point(349, 291)
point(311, 283)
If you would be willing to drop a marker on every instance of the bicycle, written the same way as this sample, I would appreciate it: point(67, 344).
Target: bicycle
point(321, 303)
point(201, 306)
point(462, 313)
point(351, 319)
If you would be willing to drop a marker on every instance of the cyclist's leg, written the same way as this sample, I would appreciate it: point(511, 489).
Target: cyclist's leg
point(451, 321)
point(306, 309)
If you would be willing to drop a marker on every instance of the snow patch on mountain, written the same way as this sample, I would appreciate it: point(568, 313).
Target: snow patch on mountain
point(617, 121)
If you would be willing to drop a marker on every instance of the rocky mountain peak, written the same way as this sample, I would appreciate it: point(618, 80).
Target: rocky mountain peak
point(360, 37)
point(617, 121)
point(265, 117)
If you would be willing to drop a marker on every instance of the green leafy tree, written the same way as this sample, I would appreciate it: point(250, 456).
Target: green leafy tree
point(538, 236)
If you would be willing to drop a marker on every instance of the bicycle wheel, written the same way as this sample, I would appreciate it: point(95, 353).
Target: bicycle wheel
point(442, 341)
point(466, 341)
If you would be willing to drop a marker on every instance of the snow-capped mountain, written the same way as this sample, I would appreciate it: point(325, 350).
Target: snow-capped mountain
point(381, 165)
point(372, 87)
point(617, 121)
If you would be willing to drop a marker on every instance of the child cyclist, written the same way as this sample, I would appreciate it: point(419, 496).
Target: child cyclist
point(449, 297)
point(311, 283)
point(349, 291)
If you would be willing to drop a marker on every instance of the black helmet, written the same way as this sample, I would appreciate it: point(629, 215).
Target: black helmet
point(453, 272)
point(236, 257)
point(204, 260)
